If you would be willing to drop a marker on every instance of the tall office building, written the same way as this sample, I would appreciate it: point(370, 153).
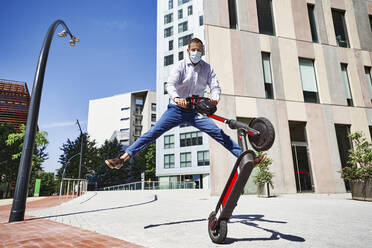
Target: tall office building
point(14, 102)
point(304, 64)
point(124, 117)
point(182, 154)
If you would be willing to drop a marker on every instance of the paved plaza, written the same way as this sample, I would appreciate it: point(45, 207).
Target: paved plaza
point(177, 218)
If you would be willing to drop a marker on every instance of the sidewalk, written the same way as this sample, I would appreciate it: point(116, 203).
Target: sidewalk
point(177, 218)
point(35, 232)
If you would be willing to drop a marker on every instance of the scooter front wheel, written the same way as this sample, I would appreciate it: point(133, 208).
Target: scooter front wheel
point(217, 231)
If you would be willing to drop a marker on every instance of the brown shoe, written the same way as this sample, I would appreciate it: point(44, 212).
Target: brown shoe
point(258, 160)
point(115, 163)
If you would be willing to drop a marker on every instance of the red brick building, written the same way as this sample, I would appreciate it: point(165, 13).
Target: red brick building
point(14, 102)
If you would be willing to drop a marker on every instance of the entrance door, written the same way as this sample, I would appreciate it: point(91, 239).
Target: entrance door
point(304, 179)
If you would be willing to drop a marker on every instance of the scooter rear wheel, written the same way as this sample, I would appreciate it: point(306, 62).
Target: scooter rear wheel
point(265, 139)
point(217, 231)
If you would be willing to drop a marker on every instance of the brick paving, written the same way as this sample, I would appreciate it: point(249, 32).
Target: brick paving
point(46, 233)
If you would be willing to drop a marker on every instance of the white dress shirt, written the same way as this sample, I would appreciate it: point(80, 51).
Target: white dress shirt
point(186, 80)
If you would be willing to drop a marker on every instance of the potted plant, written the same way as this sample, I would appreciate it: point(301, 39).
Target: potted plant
point(263, 179)
point(359, 173)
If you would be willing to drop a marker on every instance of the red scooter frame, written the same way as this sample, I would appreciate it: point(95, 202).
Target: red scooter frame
point(261, 138)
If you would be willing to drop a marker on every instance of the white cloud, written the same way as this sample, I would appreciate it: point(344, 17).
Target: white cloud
point(60, 124)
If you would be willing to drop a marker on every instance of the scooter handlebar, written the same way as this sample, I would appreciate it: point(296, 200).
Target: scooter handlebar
point(234, 124)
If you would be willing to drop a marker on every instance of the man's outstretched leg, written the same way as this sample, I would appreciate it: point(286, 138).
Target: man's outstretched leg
point(171, 118)
point(207, 125)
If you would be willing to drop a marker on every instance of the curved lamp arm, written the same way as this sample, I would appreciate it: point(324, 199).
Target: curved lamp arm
point(17, 212)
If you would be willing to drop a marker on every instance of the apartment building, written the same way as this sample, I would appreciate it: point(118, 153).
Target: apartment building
point(124, 117)
point(182, 154)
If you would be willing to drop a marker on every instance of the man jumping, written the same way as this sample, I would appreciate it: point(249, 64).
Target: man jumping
point(188, 77)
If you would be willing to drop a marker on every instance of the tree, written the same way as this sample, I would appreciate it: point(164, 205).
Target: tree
point(8, 166)
point(144, 161)
point(90, 159)
point(106, 176)
point(48, 183)
point(15, 140)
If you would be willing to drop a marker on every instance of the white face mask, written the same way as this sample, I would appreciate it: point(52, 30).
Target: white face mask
point(195, 56)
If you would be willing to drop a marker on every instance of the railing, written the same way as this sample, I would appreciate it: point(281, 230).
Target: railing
point(66, 191)
point(153, 185)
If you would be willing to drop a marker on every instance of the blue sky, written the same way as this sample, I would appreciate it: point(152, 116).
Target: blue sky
point(116, 54)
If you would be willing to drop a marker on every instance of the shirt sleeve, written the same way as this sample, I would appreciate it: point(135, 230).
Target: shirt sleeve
point(174, 77)
point(214, 85)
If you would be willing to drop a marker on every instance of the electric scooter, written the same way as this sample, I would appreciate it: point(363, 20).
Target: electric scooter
point(261, 135)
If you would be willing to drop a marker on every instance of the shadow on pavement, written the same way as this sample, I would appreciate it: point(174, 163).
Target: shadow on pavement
point(247, 220)
point(94, 210)
point(275, 235)
point(174, 223)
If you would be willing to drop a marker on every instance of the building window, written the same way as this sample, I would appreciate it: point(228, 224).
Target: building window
point(170, 45)
point(165, 88)
point(308, 78)
point(168, 161)
point(203, 158)
point(180, 2)
point(185, 159)
point(182, 27)
point(233, 16)
point(138, 120)
point(370, 21)
point(180, 13)
point(191, 139)
point(345, 77)
point(168, 18)
point(201, 21)
point(168, 60)
point(189, 10)
point(184, 125)
point(153, 117)
point(183, 41)
point(125, 108)
point(168, 32)
point(265, 17)
point(266, 66)
point(124, 119)
point(124, 141)
point(137, 131)
point(180, 56)
point(168, 141)
point(310, 10)
point(153, 106)
point(339, 24)
point(170, 4)
point(367, 71)
point(124, 129)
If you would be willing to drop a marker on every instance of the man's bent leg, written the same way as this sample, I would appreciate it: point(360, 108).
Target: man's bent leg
point(206, 125)
point(172, 117)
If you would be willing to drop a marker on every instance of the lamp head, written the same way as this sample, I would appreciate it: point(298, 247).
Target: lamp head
point(75, 39)
point(72, 43)
point(62, 34)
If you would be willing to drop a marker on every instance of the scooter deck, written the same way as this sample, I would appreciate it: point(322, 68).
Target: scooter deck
point(234, 186)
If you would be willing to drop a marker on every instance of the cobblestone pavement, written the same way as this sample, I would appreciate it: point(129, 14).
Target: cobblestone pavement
point(177, 218)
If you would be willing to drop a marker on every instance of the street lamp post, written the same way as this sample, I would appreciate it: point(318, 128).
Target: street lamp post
point(17, 212)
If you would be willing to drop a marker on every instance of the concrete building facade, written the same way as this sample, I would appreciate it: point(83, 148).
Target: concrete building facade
point(305, 65)
point(124, 117)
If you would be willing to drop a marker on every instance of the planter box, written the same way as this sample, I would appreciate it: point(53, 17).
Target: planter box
point(263, 190)
point(361, 190)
